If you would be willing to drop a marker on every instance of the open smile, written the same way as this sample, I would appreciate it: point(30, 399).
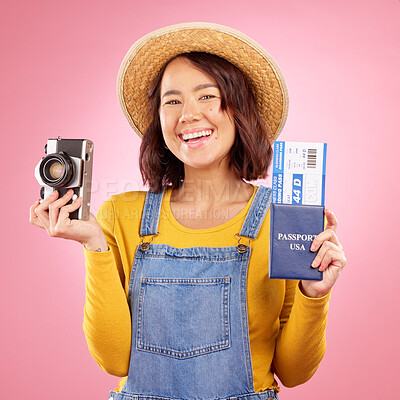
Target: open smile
point(198, 137)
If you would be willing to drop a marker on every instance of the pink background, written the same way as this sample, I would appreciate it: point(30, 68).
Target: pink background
point(59, 62)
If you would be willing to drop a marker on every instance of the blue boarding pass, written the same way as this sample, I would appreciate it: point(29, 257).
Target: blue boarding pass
point(299, 173)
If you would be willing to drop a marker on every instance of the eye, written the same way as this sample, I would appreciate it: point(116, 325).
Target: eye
point(172, 102)
point(207, 97)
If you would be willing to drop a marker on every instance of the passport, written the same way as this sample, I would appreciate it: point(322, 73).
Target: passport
point(292, 230)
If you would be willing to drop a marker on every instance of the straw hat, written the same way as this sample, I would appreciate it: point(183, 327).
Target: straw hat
point(147, 56)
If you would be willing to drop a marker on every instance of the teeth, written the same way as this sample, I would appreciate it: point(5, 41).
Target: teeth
point(193, 135)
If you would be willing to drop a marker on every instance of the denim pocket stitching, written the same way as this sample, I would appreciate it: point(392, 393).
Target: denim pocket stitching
point(221, 344)
point(233, 257)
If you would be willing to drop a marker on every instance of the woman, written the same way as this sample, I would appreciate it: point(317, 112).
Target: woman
point(178, 298)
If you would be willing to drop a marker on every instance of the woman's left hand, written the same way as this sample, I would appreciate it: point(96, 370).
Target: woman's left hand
point(330, 259)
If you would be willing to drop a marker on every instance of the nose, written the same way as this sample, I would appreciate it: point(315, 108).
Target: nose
point(190, 112)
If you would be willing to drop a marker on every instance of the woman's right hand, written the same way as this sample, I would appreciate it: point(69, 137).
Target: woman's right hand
point(53, 215)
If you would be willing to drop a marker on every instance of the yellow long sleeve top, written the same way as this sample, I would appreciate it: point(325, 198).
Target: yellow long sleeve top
point(286, 328)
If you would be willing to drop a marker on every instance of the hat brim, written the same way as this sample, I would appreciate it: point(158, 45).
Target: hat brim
point(147, 56)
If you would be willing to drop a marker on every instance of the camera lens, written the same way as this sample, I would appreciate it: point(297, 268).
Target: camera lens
point(56, 169)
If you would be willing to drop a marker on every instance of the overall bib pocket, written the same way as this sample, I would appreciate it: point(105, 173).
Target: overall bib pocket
point(183, 318)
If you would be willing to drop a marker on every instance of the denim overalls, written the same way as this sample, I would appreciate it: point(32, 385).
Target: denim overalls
point(190, 337)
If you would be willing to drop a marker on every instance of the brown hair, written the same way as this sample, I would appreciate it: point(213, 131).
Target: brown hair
point(251, 152)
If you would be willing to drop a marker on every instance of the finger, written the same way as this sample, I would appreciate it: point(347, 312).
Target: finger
point(64, 222)
point(42, 210)
point(325, 248)
point(326, 260)
point(44, 205)
point(331, 220)
point(33, 218)
point(68, 209)
point(334, 258)
point(54, 207)
point(324, 236)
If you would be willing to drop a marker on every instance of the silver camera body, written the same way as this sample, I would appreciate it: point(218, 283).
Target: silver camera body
point(67, 165)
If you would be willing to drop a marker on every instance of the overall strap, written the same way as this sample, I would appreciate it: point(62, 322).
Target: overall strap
point(256, 213)
point(151, 213)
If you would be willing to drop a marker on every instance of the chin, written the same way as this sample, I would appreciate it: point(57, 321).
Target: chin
point(202, 163)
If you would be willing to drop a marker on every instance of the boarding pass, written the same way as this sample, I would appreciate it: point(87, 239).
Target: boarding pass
point(299, 173)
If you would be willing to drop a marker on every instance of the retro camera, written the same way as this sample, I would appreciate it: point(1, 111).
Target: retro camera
point(67, 165)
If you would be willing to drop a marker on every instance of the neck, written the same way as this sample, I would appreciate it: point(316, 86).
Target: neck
point(208, 188)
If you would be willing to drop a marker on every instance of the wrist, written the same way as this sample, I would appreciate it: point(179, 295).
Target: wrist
point(308, 292)
point(98, 243)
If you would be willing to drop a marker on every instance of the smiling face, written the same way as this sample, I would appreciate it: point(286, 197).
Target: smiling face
point(195, 128)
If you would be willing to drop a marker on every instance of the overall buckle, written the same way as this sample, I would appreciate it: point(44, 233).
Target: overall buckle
point(144, 246)
point(242, 248)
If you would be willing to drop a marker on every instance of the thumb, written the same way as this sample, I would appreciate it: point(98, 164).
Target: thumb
point(331, 220)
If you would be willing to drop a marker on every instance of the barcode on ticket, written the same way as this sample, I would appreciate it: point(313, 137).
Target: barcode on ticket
point(299, 173)
point(311, 158)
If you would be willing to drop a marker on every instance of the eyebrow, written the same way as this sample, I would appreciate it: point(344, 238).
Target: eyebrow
point(196, 89)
